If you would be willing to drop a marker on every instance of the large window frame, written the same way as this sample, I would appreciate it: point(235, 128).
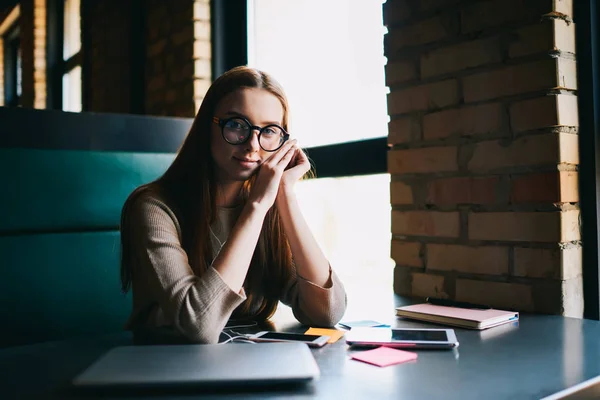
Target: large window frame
point(58, 66)
point(229, 42)
point(12, 66)
point(231, 50)
point(11, 69)
point(587, 18)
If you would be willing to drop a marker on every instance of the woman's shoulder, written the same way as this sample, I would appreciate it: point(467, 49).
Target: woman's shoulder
point(146, 201)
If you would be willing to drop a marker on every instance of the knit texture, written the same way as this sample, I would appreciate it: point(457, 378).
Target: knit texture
point(169, 296)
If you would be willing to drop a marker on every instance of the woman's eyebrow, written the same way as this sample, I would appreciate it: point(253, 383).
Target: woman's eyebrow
point(239, 114)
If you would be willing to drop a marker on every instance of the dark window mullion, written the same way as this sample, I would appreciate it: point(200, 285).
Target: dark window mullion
point(74, 61)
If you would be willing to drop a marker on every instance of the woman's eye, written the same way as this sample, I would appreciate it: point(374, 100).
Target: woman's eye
point(272, 131)
point(234, 125)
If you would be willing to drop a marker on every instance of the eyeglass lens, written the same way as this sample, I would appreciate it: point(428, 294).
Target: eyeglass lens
point(236, 131)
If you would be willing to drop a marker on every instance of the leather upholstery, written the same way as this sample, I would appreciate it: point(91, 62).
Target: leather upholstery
point(59, 240)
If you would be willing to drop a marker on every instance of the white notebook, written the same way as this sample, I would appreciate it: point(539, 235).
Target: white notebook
point(455, 316)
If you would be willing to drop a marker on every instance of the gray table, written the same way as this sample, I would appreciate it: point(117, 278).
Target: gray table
point(539, 356)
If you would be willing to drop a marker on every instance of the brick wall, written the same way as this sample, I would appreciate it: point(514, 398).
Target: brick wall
point(177, 56)
point(109, 75)
point(484, 152)
point(202, 51)
point(39, 54)
point(31, 16)
point(1, 72)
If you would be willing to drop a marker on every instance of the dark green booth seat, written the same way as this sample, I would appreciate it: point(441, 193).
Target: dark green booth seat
point(59, 240)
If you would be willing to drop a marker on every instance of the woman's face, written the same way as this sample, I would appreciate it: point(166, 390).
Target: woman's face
point(239, 162)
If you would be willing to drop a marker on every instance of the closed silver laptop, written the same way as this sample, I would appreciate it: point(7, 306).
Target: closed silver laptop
point(191, 365)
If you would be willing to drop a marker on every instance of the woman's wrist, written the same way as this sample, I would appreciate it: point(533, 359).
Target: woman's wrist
point(255, 209)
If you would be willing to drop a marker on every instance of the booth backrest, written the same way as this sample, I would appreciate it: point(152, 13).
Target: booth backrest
point(59, 219)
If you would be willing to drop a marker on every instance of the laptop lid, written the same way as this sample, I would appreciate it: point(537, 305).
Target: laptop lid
point(191, 365)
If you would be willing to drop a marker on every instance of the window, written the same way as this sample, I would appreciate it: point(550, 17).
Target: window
point(328, 56)
point(71, 79)
point(12, 68)
point(10, 59)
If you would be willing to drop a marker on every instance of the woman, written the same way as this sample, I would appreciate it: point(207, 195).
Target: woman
point(220, 234)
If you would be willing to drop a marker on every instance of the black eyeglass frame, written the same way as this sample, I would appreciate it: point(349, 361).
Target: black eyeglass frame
point(222, 122)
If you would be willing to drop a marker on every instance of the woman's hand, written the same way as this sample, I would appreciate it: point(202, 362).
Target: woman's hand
point(296, 169)
point(265, 189)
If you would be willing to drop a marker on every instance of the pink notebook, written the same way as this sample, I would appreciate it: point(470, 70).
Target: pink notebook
point(462, 317)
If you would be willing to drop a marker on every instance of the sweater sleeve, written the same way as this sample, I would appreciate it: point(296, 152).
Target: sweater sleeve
point(198, 306)
point(314, 305)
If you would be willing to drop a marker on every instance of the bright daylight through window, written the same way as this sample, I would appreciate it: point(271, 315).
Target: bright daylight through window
point(328, 56)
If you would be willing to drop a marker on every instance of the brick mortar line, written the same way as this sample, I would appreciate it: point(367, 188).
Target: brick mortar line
point(407, 178)
point(563, 167)
point(490, 208)
point(508, 137)
point(486, 243)
point(431, 13)
point(476, 34)
point(505, 278)
point(511, 99)
point(483, 174)
point(407, 52)
point(465, 72)
point(492, 243)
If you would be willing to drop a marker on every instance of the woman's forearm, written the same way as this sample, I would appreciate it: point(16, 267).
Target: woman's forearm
point(233, 261)
point(311, 263)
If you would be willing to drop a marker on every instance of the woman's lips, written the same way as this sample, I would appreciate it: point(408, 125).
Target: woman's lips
point(245, 162)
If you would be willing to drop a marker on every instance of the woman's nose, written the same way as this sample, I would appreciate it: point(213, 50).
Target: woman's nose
point(253, 143)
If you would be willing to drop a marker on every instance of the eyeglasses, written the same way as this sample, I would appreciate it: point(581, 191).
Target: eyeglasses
point(237, 130)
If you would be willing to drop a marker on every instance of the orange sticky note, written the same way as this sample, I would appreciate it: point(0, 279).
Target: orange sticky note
point(384, 356)
point(334, 334)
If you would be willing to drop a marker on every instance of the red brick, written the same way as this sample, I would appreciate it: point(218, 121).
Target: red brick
point(400, 193)
point(425, 223)
point(404, 129)
point(461, 56)
point(202, 69)
point(422, 32)
point(556, 263)
point(542, 37)
point(462, 191)
point(564, 7)
point(543, 112)
point(555, 226)
point(201, 30)
point(429, 5)
point(525, 151)
point(511, 80)
point(201, 87)
point(400, 71)
point(483, 15)
point(202, 49)
point(485, 119)
point(407, 253)
point(564, 35)
point(402, 280)
point(396, 11)
point(514, 296)
point(422, 160)
point(547, 187)
point(567, 73)
point(490, 260)
point(429, 96)
point(201, 11)
point(428, 285)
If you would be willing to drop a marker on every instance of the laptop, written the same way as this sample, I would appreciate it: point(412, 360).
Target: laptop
point(201, 365)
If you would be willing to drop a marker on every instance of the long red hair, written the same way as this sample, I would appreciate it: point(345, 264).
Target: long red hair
point(189, 187)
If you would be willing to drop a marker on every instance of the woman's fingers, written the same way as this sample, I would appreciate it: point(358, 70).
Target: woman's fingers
point(279, 154)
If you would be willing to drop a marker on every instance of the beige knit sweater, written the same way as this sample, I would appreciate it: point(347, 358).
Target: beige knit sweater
point(168, 296)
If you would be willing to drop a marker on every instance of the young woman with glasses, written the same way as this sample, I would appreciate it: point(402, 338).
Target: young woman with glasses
point(220, 235)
